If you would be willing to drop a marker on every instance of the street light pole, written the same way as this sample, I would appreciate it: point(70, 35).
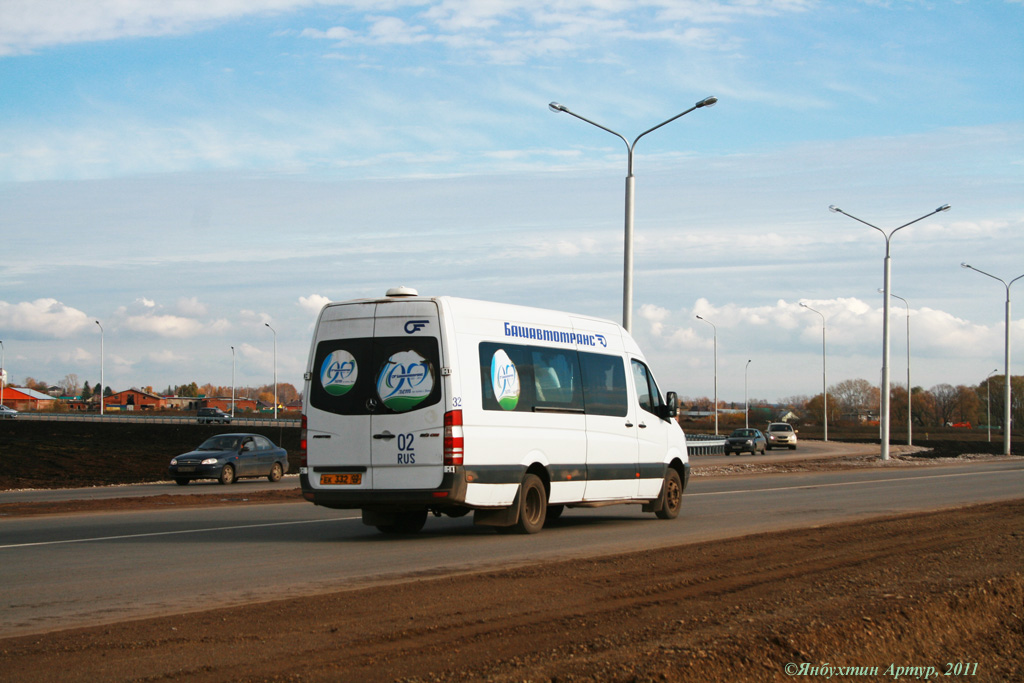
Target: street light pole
point(232, 381)
point(716, 368)
point(627, 275)
point(275, 368)
point(101, 366)
point(884, 408)
point(746, 401)
point(988, 403)
point(1007, 413)
point(824, 384)
point(3, 375)
point(910, 414)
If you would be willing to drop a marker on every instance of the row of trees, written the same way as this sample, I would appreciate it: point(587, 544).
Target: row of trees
point(856, 399)
point(286, 393)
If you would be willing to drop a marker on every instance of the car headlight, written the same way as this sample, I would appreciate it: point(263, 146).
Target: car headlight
point(174, 462)
point(209, 461)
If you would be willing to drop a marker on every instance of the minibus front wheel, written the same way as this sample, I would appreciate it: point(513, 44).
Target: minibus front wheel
point(672, 495)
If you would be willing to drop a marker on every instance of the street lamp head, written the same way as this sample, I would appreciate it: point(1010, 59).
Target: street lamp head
point(699, 318)
point(708, 102)
point(556, 107)
point(944, 207)
point(834, 209)
point(965, 265)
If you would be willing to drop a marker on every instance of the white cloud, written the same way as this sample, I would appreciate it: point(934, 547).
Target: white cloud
point(313, 303)
point(166, 357)
point(27, 25)
point(163, 325)
point(191, 307)
point(47, 317)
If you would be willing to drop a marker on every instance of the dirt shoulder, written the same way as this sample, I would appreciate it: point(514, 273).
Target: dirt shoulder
point(935, 590)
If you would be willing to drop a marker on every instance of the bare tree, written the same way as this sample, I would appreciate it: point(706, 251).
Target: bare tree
point(69, 385)
point(854, 395)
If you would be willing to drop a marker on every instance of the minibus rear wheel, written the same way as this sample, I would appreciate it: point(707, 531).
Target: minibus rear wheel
point(533, 505)
point(672, 492)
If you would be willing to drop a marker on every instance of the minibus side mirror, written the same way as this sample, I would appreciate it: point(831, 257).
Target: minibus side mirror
point(671, 405)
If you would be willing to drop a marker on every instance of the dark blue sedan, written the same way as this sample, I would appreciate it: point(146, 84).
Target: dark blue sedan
point(228, 457)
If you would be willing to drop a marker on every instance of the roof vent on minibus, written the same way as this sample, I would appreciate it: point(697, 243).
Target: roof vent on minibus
point(402, 291)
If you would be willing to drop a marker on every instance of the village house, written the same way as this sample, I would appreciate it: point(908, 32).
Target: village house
point(21, 398)
point(133, 399)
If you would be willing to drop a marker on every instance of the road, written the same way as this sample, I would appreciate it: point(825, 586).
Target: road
point(68, 570)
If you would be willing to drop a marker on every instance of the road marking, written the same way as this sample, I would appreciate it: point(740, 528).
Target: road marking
point(172, 533)
point(851, 483)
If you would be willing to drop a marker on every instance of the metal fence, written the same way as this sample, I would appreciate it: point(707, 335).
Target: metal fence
point(705, 444)
point(154, 419)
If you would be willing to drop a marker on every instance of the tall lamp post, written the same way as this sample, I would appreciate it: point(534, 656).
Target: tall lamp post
point(716, 368)
point(746, 401)
point(910, 414)
point(101, 366)
point(1007, 413)
point(988, 403)
point(275, 368)
point(627, 277)
point(824, 384)
point(3, 375)
point(884, 408)
point(232, 381)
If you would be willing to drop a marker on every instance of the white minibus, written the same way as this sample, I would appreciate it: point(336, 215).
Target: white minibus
point(417, 405)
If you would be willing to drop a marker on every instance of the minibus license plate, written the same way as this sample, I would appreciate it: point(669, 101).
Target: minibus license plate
point(341, 479)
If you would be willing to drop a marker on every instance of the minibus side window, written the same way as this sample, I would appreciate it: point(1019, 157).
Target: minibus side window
point(604, 384)
point(529, 378)
point(647, 392)
point(556, 379)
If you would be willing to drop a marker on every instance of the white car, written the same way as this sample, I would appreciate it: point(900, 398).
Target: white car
point(7, 412)
point(781, 434)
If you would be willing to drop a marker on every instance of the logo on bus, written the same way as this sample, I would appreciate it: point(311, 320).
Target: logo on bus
point(405, 381)
point(504, 380)
point(414, 326)
point(338, 373)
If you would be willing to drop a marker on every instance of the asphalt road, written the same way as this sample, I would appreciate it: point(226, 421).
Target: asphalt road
point(69, 570)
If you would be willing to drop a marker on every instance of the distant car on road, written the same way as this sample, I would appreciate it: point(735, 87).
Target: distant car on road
point(212, 416)
point(228, 457)
point(8, 413)
point(781, 434)
point(745, 439)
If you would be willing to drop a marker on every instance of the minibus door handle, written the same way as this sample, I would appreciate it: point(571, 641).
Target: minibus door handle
point(629, 425)
point(387, 436)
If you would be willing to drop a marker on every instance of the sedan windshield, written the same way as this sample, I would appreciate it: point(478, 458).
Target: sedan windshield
point(220, 443)
point(743, 432)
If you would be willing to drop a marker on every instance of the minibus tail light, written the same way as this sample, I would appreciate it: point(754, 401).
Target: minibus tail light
point(453, 444)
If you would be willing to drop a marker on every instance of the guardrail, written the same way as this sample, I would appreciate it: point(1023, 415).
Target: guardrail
point(155, 419)
point(705, 444)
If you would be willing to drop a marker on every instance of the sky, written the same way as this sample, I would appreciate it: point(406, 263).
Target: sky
point(187, 173)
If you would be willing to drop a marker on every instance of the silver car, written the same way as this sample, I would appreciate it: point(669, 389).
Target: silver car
point(781, 434)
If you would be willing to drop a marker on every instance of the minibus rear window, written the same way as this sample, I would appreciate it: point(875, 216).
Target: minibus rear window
point(382, 375)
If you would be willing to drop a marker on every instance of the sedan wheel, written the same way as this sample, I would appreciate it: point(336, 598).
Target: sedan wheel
point(227, 475)
point(275, 472)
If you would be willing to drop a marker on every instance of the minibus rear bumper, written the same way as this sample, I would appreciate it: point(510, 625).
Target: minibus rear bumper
point(451, 492)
